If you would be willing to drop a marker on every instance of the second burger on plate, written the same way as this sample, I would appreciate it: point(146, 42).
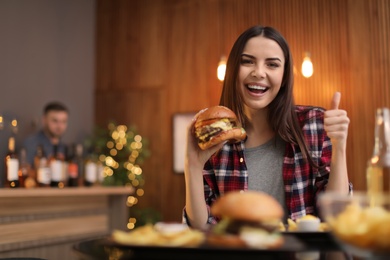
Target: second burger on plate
point(248, 219)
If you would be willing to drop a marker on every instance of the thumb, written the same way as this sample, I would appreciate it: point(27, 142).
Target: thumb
point(335, 100)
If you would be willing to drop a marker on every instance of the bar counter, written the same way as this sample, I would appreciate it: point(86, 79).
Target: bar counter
point(46, 222)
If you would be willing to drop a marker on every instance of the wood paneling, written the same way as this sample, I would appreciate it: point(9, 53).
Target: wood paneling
point(159, 57)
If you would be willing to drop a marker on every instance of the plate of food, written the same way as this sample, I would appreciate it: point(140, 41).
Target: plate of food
point(160, 234)
point(250, 228)
point(178, 241)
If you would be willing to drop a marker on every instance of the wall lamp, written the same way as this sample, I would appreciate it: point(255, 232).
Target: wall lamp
point(221, 68)
point(307, 66)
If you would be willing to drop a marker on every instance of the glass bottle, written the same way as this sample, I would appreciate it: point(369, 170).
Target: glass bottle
point(56, 169)
point(90, 174)
point(41, 167)
point(75, 165)
point(12, 165)
point(80, 163)
point(378, 170)
point(26, 176)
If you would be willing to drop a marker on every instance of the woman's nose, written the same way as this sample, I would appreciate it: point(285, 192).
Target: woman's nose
point(258, 72)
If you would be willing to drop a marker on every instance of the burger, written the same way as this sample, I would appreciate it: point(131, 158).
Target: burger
point(215, 125)
point(247, 219)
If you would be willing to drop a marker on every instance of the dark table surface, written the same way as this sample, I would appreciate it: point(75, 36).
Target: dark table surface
point(297, 246)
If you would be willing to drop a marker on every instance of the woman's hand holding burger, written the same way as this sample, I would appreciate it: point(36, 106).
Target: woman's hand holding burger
point(196, 157)
point(210, 129)
point(215, 125)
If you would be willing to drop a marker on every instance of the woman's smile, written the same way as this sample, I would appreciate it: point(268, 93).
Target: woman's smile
point(257, 89)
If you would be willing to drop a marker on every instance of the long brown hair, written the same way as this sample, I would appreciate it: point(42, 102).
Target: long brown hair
point(281, 113)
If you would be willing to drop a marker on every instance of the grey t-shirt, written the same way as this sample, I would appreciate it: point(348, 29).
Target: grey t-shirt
point(265, 168)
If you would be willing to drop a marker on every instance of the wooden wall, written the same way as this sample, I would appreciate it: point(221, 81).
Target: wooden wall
point(156, 58)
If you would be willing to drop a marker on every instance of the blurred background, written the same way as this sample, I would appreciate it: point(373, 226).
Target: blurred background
point(141, 62)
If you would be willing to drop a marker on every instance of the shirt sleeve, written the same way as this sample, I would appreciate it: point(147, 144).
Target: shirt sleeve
point(210, 190)
point(321, 180)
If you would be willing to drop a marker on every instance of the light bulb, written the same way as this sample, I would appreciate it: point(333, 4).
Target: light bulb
point(221, 68)
point(307, 66)
point(14, 126)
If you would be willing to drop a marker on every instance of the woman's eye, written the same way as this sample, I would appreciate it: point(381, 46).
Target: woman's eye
point(273, 65)
point(246, 61)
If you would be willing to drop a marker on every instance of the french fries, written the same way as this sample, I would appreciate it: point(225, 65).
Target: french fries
point(149, 235)
point(292, 226)
point(282, 227)
point(367, 228)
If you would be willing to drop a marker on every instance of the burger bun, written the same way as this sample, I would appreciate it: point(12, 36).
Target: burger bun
point(249, 205)
point(215, 125)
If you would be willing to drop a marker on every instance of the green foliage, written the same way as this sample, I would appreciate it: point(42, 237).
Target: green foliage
point(121, 150)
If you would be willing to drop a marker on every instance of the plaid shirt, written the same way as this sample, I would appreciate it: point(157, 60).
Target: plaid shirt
point(226, 170)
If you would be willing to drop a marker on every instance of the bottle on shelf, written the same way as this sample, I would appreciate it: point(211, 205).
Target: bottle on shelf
point(91, 170)
point(12, 165)
point(75, 165)
point(100, 172)
point(41, 166)
point(378, 169)
point(56, 169)
point(64, 168)
point(26, 174)
point(99, 167)
point(80, 160)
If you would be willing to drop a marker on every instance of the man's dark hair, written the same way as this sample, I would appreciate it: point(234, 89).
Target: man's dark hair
point(55, 106)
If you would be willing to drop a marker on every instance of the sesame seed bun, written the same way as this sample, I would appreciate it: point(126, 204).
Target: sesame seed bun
point(215, 125)
point(212, 113)
point(249, 206)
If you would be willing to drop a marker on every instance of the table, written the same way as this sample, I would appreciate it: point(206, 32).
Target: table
point(296, 247)
point(46, 222)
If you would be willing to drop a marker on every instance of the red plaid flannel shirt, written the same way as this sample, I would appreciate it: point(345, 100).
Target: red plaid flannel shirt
point(226, 170)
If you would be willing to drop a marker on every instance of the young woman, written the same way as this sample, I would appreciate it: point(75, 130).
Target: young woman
point(288, 150)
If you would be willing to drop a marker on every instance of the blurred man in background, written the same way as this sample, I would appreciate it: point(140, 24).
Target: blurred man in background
point(54, 124)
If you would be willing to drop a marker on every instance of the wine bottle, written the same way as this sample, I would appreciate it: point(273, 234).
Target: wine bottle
point(100, 166)
point(12, 165)
point(64, 168)
point(90, 175)
point(75, 165)
point(100, 172)
point(56, 169)
point(41, 167)
point(378, 169)
point(80, 163)
point(26, 176)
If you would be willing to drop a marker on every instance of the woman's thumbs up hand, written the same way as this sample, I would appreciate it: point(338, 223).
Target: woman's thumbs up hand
point(336, 121)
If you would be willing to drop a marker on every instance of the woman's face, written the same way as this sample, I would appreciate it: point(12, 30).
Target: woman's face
point(261, 72)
